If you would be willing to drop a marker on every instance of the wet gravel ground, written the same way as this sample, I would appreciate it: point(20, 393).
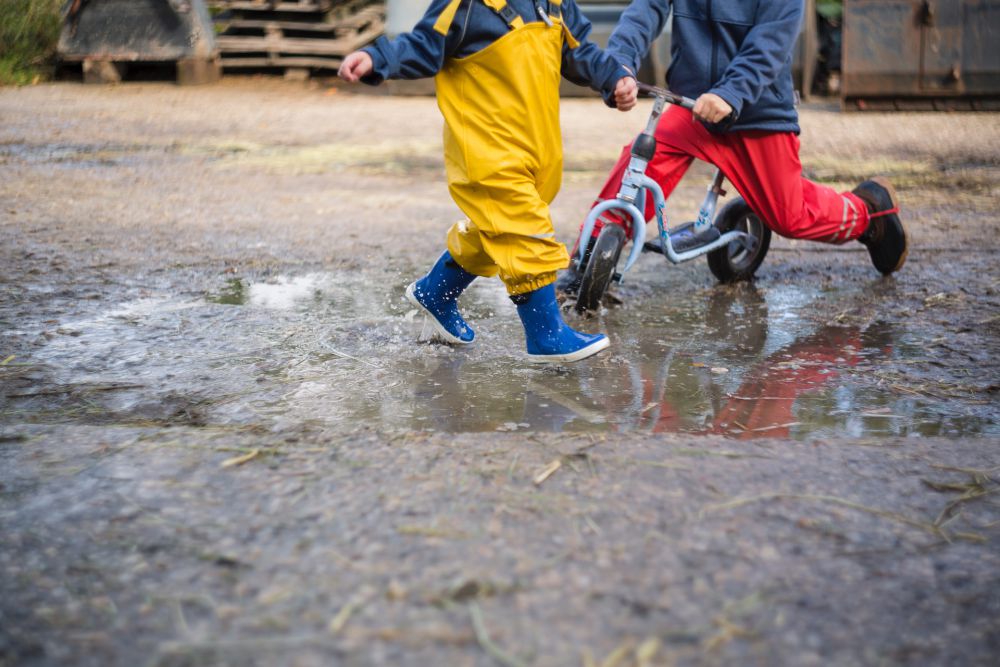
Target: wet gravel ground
point(221, 443)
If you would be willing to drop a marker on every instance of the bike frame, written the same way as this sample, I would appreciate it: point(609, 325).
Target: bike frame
point(635, 184)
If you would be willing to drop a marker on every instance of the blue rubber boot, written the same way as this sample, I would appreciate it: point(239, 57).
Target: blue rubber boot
point(436, 295)
point(550, 339)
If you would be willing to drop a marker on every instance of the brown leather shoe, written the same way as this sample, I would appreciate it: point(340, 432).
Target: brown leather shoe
point(885, 237)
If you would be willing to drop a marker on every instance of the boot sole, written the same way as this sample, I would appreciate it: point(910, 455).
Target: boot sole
point(439, 329)
point(582, 353)
point(885, 183)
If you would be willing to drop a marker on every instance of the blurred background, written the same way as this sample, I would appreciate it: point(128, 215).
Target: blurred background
point(871, 54)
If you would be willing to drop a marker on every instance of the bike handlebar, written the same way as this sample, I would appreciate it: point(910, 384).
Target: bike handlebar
point(673, 98)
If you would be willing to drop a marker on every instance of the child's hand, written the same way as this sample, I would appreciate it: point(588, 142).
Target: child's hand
point(626, 93)
point(711, 108)
point(355, 66)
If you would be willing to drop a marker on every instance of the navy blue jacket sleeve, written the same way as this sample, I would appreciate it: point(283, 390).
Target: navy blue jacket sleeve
point(416, 54)
point(640, 24)
point(763, 54)
point(588, 64)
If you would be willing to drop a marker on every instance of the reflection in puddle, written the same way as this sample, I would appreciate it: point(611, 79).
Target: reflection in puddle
point(233, 293)
point(668, 390)
point(766, 401)
point(333, 350)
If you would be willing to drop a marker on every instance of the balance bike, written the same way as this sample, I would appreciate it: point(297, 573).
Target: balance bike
point(736, 241)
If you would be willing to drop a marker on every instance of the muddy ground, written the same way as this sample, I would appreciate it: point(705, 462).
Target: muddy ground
point(222, 441)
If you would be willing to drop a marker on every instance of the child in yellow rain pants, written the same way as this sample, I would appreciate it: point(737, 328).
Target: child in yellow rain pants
point(497, 66)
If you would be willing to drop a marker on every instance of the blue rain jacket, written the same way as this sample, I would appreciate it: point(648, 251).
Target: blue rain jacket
point(421, 52)
point(741, 50)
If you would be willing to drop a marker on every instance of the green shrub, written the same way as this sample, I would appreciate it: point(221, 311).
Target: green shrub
point(29, 31)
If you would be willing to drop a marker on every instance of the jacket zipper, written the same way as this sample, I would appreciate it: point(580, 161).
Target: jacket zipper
point(711, 28)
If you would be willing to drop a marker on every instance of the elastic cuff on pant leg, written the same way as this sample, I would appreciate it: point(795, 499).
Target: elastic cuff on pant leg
point(538, 282)
point(863, 217)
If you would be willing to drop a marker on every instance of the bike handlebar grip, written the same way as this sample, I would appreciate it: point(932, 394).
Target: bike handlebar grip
point(644, 147)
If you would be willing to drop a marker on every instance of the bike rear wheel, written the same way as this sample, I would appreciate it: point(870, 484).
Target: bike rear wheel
point(734, 262)
point(600, 269)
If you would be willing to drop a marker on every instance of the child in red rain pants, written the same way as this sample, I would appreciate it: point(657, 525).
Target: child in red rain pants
point(735, 58)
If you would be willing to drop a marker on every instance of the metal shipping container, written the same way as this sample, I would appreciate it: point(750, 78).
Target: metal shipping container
point(921, 54)
point(107, 36)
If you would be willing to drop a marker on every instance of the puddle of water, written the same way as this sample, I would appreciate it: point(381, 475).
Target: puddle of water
point(340, 350)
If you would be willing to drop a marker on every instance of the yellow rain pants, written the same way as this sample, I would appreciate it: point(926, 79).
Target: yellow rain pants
point(503, 154)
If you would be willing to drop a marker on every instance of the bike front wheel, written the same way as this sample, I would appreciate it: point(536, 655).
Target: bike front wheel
point(600, 269)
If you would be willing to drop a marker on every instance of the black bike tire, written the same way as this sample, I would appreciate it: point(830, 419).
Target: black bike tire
point(600, 269)
point(723, 262)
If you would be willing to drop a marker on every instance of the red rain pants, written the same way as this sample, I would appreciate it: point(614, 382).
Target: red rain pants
point(764, 168)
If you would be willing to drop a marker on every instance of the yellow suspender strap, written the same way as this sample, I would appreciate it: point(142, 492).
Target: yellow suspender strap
point(514, 20)
point(571, 41)
point(501, 7)
point(447, 16)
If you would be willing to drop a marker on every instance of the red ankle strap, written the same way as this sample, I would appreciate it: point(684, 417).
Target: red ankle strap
point(881, 213)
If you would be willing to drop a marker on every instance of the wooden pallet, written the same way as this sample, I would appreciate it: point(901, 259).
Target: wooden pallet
point(260, 39)
point(326, 12)
point(305, 6)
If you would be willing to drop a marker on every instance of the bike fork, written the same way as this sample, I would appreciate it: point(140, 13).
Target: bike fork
point(706, 214)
